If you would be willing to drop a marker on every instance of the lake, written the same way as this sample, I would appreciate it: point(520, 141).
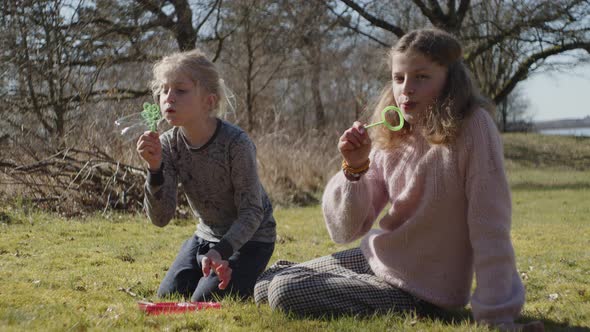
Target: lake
point(582, 131)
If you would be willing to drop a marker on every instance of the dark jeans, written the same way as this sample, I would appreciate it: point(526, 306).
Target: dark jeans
point(185, 276)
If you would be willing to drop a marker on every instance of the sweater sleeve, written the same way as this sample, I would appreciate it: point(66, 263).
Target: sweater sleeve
point(351, 207)
point(161, 188)
point(499, 293)
point(247, 195)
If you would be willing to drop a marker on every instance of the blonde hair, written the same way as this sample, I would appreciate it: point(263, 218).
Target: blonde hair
point(460, 94)
point(200, 70)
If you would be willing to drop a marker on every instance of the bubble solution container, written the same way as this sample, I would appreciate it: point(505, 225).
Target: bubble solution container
point(159, 308)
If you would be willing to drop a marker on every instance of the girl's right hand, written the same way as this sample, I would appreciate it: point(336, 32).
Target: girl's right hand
point(355, 145)
point(150, 149)
point(213, 261)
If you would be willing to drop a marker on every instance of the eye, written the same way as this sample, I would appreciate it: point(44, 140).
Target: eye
point(398, 79)
point(422, 76)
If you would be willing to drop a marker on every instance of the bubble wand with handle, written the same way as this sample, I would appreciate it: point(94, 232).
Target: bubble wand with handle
point(355, 173)
point(386, 123)
point(130, 127)
point(151, 114)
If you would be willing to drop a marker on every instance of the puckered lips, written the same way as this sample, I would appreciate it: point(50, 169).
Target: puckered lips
point(409, 105)
point(169, 110)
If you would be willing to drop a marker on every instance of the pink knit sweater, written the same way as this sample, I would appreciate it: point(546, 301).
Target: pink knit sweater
point(449, 217)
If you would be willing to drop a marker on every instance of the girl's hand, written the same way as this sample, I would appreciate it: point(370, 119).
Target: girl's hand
point(150, 149)
point(355, 145)
point(221, 267)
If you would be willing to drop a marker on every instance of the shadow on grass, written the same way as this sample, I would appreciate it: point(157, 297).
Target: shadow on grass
point(464, 316)
point(549, 187)
point(551, 325)
point(449, 318)
point(456, 317)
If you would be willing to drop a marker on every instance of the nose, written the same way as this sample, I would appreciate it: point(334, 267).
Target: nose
point(169, 97)
point(408, 87)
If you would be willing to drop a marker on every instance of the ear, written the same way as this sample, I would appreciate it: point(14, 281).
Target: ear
point(212, 100)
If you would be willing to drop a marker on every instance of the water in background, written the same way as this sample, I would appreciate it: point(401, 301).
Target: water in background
point(585, 131)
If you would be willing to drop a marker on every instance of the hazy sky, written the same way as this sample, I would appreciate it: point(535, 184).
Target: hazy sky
point(559, 95)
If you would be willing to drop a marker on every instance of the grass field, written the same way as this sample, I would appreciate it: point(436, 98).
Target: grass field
point(87, 274)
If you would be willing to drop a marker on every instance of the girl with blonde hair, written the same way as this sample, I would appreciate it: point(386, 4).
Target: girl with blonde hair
point(215, 162)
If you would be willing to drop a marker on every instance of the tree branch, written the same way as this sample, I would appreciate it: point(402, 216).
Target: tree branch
point(345, 23)
point(425, 10)
point(437, 11)
point(156, 10)
point(491, 41)
point(105, 94)
point(183, 30)
point(462, 11)
point(524, 68)
point(200, 24)
point(374, 20)
point(111, 60)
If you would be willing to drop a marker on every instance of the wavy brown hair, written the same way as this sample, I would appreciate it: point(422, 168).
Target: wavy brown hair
point(458, 98)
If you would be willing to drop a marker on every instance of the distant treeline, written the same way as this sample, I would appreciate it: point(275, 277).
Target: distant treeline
point(565, 123)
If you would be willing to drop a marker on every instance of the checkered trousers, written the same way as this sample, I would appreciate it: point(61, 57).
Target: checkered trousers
point(341, 283)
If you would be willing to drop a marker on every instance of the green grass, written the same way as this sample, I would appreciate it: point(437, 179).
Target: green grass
point(79, 275)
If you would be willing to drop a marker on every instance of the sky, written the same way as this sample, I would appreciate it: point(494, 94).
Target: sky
point(555, 96)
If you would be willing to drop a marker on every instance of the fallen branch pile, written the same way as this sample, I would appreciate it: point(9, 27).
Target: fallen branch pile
point(74, 181)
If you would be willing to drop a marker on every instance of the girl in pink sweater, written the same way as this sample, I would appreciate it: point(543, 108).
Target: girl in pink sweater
point(448, 204)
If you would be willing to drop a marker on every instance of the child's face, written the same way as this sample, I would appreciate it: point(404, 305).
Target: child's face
point(182, 102)
point(417, 82)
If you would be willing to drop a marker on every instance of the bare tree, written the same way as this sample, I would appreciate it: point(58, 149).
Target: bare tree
point(513, 112)
point(312, 41)
point(54, 59)
point(523, 36)
point(184, 20)
point(38, 97)
point(257, 53)
point(504, 40)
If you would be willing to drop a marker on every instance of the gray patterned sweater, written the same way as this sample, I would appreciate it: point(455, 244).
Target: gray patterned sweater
point(222, 187)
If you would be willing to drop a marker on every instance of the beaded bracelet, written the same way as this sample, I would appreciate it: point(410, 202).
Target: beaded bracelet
point(359, 170)
point(354, 174)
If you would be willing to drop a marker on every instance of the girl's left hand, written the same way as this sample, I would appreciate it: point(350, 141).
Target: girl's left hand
point(212, 260)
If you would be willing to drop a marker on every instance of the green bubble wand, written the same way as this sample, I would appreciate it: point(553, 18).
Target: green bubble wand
point(151, 114)
point(130, 127)
point(386, 123)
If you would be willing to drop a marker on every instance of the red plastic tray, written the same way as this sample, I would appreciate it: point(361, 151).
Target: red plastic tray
point(175, 307)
